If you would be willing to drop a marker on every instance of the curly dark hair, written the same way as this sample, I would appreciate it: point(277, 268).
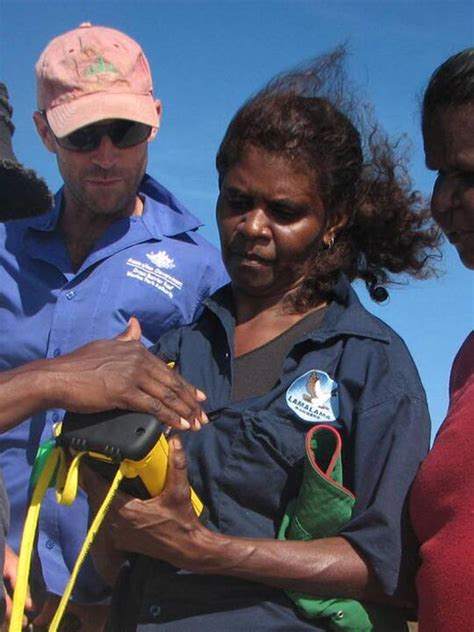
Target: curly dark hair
point(451, 84)
point(307, 116)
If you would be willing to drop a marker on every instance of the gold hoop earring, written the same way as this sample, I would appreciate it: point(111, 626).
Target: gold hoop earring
point(330, 243)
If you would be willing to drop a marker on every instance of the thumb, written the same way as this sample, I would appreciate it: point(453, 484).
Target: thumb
point(132, 332)
point(177, 473)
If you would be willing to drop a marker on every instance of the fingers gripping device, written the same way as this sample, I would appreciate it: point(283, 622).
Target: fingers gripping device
point(130, 449)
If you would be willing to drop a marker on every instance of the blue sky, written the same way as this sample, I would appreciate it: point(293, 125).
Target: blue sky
point(207, 57)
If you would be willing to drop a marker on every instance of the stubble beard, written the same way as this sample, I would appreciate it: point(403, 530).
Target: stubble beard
point(106, 204)
point(110, 205)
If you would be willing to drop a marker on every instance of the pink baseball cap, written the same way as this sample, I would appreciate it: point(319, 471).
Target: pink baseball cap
point(94, 73)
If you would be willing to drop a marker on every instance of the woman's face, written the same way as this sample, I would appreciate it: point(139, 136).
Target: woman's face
point(271, 220)
point(449, 149)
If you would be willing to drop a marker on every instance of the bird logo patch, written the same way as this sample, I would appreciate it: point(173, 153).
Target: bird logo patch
point(314, 396)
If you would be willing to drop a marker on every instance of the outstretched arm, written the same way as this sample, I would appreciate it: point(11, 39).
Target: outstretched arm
point(105, 374)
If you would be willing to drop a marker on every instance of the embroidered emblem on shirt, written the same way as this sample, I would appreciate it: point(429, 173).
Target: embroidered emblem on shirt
point(161, 259)
point(314, 396)
point(154, 275)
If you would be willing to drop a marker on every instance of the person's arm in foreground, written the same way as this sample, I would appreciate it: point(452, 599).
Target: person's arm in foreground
point(105, 374)
point(167, 528)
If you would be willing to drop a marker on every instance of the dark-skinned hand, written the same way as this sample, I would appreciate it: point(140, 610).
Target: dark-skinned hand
point(165, 527)
point(102, 375)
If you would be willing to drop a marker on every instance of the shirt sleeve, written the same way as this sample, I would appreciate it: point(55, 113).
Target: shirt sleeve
point(387, 445)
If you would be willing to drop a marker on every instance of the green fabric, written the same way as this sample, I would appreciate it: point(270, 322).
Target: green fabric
point(320, 510)
point(42, 456)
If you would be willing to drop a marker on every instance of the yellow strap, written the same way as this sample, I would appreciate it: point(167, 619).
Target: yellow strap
point(67, 482)
point(91, 534)
point(24, 562)
point(66, 491)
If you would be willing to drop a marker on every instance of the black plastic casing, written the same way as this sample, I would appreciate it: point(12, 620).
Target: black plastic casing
point(117, 434)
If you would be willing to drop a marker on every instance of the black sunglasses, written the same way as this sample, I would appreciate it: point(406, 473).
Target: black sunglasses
point(122, 133)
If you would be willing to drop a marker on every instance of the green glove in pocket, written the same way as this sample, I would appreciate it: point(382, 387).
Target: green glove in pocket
point(322, 508)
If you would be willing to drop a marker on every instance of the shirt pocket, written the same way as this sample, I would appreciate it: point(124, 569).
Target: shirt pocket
point(262, 473)
point(124, 294)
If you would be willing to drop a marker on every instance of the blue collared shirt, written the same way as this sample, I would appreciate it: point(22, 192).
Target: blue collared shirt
point(156, 267)
point(246, 465)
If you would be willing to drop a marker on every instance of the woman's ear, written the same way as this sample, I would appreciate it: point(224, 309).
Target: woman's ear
point(339, 218)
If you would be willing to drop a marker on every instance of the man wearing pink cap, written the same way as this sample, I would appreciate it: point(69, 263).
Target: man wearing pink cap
point(117, 244)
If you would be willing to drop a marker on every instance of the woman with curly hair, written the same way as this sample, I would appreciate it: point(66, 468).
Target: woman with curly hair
point(306, 205)
point(442, 505)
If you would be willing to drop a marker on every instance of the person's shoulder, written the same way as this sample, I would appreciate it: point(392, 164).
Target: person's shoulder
point(401, 371)
point(355, 320)
point(12, 231)
point(202, 246)
point(197, 259)
point(377, 352)
point(375, 327)
point(14, 225)
point(168, 219)
point(394, 339)
point(215, 307)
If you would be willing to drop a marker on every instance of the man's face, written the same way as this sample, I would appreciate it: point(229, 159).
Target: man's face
point(103, 181)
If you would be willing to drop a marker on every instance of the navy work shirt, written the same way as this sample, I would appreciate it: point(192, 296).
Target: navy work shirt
point(247, 463)
point(156, 267)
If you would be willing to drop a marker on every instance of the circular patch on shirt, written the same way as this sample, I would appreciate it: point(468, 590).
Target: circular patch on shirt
point(314, 396)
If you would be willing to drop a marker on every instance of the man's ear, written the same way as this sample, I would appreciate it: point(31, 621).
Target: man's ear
point(44, 132)
point(158, 111)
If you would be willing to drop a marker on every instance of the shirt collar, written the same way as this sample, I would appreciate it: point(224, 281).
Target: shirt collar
point(221, 303)
point(165, 224)
point(345, 315)
point(175, 219)
point(49, 221)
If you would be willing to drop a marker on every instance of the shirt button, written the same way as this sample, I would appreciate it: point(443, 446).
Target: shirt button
point(155, 611)
point(56, 352)
point(71, 294)
point(55, 416)
point(227, 354)
point(49, 544)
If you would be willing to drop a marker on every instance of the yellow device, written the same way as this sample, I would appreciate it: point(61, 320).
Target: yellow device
point(136, 441)
point(128, 448)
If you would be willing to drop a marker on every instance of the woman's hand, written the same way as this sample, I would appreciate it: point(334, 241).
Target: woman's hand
point(165, 527)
